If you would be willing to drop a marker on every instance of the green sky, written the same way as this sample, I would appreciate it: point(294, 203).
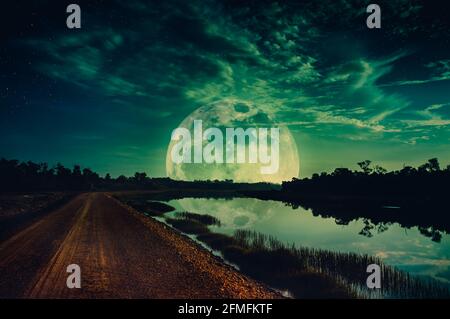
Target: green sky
point(109, 95)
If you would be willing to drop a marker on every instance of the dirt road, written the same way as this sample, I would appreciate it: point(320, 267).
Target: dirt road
point(122, 254)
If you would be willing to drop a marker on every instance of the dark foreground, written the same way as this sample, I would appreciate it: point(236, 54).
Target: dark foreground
point(122, 254)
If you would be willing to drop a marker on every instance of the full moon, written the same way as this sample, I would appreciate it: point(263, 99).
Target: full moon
point(234, 114)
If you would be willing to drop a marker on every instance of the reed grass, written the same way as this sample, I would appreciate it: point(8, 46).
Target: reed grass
point(347, 269)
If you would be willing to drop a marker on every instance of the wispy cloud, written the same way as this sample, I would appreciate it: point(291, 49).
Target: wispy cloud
point(274, 56)
point(429, 117)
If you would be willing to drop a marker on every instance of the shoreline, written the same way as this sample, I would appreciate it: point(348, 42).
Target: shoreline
point(205, 260)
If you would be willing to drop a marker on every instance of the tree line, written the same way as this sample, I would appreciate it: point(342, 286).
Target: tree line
point(30, 176)
point(427, 180)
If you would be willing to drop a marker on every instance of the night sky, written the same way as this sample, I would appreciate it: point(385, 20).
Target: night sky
point(107, 96)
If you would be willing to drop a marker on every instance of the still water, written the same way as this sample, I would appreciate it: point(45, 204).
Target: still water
point(405, 248)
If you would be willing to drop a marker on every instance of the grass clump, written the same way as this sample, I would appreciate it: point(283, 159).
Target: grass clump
point(204, 219)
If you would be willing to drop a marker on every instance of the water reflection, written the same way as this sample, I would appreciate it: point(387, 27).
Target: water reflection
point(408, 249)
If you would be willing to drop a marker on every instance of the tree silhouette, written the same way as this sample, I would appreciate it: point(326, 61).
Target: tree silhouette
point(379, 170)
point(434, 165)
point(365, 166)
point(140, 177)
